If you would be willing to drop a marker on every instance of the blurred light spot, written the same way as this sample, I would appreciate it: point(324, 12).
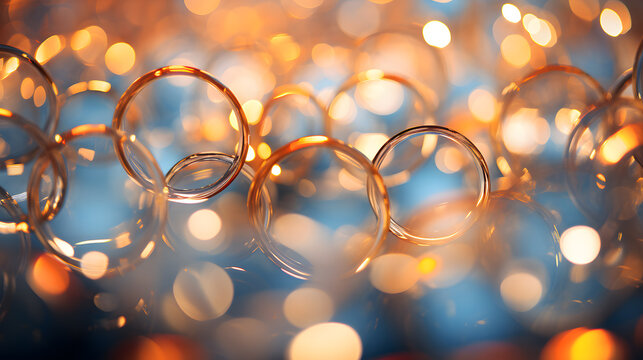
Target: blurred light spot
point(366, 23)
point(39, 96)
point(26, 88)
point(307, 306)
point(94, 264)
point(201, 7)
point(203, 291)
point(10, 66)
point(611, 22)
point(99, 85)
point(253, 109)
point(49, 275)
point(49, 48)
point(566, 119)
point(264, 150)
point(597, 344)
point(623, 13)
point(250, 155)
point(87, 154)
point(394, 273)
point(348, 181)
point(542, 32)
point(370, 143)
point(449, 160)
point(580, 244)
point(381, 96)
point(427, 265)
point(120, 58)
point(436, 33)
point(483, 105)
point(15, 169)
point(521, 291)
point(306, 188)
point(326, 341)
point(147, 251)
point(275, 170)
point(204, 224)
point(511, 13)
point(80, 39)
point(525, 131)
point(285, 47)
point(323, 55)
point(621, 143)
point(585, 9)
point(309, 4)
point(343, 109)
point(105, 301)
point(63, 247)
point(515, 50)
point(452, 263)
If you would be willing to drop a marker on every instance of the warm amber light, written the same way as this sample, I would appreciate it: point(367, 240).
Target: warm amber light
point(436, 33)
point(521, 291)
point(611, 22)
point(515, 50)
point(120, 58)
point(621, 143)
point(482, 104)
point(201, 7)
point(204, 224)
point(326, 341)
point(511, 13)
point(585, 9)
point(308, 306)
point(580, 244)
point(49, 48)
point(49, 275)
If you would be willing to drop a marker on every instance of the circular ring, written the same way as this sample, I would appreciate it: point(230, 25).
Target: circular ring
point(127, 243)
point(482, 200)
point(224, 243)
point(41, 147)
point(244, 138)
point(617, 89)
point(637, 73)
point(49, 127)
point(261, 213)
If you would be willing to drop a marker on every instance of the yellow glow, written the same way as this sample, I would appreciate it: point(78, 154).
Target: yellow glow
point(39, 96)
point(80, 39)
point(585, 9)
point(370, 143)
point(623, 13)
point(394, 273)
point(49, 275)
point(253, 109)
point(49, 48)
point(251, 153)
point(379, 96)
point(580, 244)
point(120, 58)
point(597, 344)
point(436, 33)
point(275, 170)
point(204, 291)
point(94, 264)
point(204, 224)
point(147, 251)
point(26, 88)
point(511, 13)
point(525, 131)
point(449, 160)
point(15, 169)
point(482, 104)
point(427, 265)
point(542, 32)
point(285, 47)
point(308, 306)
point(343, 109)
point(326, 341)
point(515, 50)
point(611, 22)
point(621, 143)
point(521, 291)
point(99, 85)
point(201, 7)
point(10, 66)
point(566, 119)
point(264, 151)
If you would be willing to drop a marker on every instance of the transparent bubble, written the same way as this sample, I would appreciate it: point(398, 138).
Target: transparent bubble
point(87, 102)
point(441, 197)
point(27, 89)
point(538, 114)
point(170, 124)
point(109, 221)
point(332, 222)
point(291, 112)
point(603, 174)
point(404, 53)
point(21, 144)
point(217, 227)
point(372, 106)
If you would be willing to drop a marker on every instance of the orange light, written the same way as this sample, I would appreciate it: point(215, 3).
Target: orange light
point(49, 275)
point(621, 143)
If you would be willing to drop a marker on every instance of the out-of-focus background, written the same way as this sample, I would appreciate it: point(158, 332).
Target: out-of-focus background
point(549, 266)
